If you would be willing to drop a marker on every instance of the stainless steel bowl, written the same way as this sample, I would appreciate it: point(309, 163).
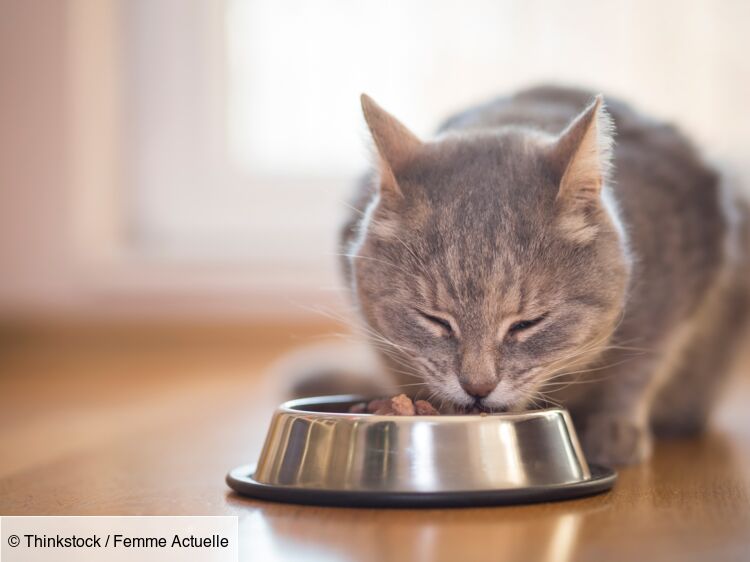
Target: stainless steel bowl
point(316, 453)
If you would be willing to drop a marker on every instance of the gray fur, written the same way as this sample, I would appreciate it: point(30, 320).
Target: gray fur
point(470, 227)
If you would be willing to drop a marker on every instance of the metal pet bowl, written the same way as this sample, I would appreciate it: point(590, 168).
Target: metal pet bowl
point(316, 453)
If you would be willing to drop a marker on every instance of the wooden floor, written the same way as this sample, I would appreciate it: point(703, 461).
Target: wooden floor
point(148, 421)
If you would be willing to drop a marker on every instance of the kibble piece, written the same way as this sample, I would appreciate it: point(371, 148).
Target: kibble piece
point(378, 404)
point(385, 411)
point(424, 408)
point(402, 405)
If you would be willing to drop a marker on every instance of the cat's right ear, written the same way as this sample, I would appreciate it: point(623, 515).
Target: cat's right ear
point(396, 145)
point(582, 158)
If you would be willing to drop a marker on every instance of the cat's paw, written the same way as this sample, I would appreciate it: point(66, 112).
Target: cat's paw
point(615, 440)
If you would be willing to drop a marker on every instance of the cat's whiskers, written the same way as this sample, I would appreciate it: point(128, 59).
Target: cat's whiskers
point(399, 361)
point(375, 344)
point(595, 347)
point(358, 327)
point(376, 339)
point(431, 395)
point(557, 386)
point(592, 369)
point(409, 385)
point(528, 397)
point(536, 394)
point(554, 370)
point(378, 260)
point(410, 372)
point(387, 347)
point(407, 374)
point(380, 337)
point(373, 221)
point(553, 385)
point(565, 362)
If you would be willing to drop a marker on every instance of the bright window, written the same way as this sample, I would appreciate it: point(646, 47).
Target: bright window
point(244, 125)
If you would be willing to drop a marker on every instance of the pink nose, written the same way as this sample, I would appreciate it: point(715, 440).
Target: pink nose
point(478, 389)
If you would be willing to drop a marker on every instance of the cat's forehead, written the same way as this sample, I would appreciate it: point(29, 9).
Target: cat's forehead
point(499, 159)
point(481, 189)
point(478, 217)
point(475, 203)
point(482, 264)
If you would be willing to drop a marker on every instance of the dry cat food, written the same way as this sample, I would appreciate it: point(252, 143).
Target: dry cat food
point(400, 405)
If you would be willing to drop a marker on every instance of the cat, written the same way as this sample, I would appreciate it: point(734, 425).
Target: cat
point(522, 257)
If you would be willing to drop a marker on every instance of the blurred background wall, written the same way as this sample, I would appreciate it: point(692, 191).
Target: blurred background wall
point(191, 159)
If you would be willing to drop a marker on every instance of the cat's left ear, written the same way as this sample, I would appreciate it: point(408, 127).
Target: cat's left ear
point(582, 158)
point(397, 146)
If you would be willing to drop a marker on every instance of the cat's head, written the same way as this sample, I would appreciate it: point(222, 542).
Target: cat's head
point(491, 259)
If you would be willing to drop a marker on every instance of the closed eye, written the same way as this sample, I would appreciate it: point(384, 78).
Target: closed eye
point(522, 325)
point(444, 325)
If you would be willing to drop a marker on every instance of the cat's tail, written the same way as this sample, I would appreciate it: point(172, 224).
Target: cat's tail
point(329, 368)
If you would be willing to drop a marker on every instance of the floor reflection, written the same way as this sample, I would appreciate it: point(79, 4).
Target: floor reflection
point(545, 533)
point(259, 540)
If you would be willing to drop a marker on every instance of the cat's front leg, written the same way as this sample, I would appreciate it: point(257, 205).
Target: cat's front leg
point(615, 438)
point(612, 417)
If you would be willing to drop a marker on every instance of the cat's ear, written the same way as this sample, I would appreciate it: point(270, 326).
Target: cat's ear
point(582, 158)
point(583, 154)
point(396, 145)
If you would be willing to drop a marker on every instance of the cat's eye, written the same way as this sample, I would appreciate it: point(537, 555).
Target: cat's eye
point(522, 325)
point(442, 324)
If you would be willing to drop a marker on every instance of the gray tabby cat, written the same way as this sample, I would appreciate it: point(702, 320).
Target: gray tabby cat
point(522, 257)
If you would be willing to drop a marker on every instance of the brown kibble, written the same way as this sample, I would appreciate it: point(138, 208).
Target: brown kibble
point(378, 404)
point(424, 408)
point(385, 411)
point(402, 405)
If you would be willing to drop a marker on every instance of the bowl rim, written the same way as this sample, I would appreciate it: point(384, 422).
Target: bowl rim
point(293, 407)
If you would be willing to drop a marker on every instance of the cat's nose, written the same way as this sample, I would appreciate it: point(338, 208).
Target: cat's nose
point(478, 389)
